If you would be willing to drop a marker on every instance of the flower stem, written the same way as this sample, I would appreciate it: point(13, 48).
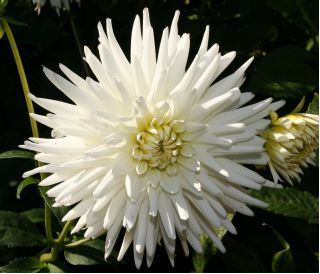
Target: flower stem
point(22, 74)
point(77, 243)
point(57, 245)
point(47, 224)
point(33, 123)
point(64, 232)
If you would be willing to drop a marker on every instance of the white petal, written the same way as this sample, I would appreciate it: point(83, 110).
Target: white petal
point(139, 239)
point(134, 186)
point(131, 213)
point(179, 202)
point(117, 204)
point(78, 210)
point(153, 201)
point(173, 36)
point(127, 240)
point(165, 209)
point(169, 183)
point(112, 234)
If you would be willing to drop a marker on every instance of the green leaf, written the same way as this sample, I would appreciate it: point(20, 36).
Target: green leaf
point(282, 261)
point(284, 72)
point(18, 231)
point(15, 22)
point(58, 212)
point(27, 265)
point(290, 202)
point(89, 253)
point(3, 4)
point(17, 154)
point(25, 183)
point(54, 268)
point(313, 107)
point(35, 215)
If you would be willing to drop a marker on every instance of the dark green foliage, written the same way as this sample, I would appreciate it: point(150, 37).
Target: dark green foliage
point(290, 202)
point(17, 154)
point(17, 231)
point(25, 183)
point(35, 215)
point(58, 212)
point(90, 253)
point(27, 265)
point(313, 107)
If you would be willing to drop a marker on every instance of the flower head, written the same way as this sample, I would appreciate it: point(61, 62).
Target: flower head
point(291, 143)
point(152, 146)
point(57, 4)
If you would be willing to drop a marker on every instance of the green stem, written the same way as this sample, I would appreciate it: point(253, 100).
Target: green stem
point(33, 123)
point(77, 243)
point(52, 256)
point(64, 233)
point(47, 224)
point(58, 245)
point(22, 74)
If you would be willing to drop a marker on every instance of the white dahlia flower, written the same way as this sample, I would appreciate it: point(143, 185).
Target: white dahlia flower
point(150, 145)
point(57, 4)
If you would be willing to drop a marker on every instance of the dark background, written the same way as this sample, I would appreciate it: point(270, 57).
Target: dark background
point(281, 34)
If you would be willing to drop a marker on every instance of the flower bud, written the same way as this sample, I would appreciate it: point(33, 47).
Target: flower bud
point(291, 143)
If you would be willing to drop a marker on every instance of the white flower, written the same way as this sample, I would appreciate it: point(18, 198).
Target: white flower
point(57, 4)
point(291, 143)
point(150, 145)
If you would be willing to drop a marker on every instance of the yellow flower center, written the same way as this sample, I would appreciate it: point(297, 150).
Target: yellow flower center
point(158, 145)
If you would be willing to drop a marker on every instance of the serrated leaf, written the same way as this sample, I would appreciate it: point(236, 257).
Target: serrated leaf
point(290, 202)
point(89, 253)
point(58, 212)
point(26, 265)
point(35, 215)
point(313, 107)
point(17, 154)
point(26, 182)
point(18, 231)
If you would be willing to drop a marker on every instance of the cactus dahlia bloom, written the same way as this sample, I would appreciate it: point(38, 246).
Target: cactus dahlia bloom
point(57, 4)
point(291, 142)
point(150, 145)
